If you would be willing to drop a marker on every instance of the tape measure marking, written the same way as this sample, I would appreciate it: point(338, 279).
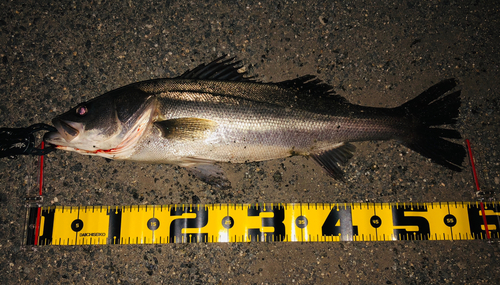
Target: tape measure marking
point(309, 222)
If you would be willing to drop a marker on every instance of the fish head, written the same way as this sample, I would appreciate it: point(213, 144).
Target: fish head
point(102, 125)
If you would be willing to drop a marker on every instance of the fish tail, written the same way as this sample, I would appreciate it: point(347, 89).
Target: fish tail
point(431, 109)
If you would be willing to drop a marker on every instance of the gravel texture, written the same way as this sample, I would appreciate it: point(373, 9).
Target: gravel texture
point(55, 55)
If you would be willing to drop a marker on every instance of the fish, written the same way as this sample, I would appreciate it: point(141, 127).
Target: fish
point(216, 113)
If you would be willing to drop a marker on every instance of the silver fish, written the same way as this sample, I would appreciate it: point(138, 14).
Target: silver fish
point(214, 113)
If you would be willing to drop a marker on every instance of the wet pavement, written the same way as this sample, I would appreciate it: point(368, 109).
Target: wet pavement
point(54, 56)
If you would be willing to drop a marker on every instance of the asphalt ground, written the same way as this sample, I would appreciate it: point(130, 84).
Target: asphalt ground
point(57, 54)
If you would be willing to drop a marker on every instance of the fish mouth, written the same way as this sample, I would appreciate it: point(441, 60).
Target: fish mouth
point(66, 130)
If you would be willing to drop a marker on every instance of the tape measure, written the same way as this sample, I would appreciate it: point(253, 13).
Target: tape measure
point(310, 222)
point(279, 222)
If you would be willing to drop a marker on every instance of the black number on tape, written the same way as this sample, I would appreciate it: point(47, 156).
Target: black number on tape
point(339, 222)
point(276, 221)
point(177, 225)
point(476, 220)
point(114, 229)
point(48, 226)
point(399, 219)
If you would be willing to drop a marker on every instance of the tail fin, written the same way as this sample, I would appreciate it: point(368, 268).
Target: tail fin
point(434, 108)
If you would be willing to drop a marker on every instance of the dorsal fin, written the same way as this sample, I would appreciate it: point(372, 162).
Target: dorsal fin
point(309, 87)
point(307, 83)
point(218, 69)
point(306, 93)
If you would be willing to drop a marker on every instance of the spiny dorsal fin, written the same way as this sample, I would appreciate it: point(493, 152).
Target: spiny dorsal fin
point(219, 69)
point(332, 159)
point(186, 128)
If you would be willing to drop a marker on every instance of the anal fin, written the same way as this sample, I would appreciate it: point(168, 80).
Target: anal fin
point(211, 174)
point(332, 159)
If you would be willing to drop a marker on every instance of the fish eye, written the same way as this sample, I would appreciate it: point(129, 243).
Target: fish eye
point(81, 110)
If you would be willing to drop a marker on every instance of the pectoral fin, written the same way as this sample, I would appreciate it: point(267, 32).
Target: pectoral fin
point(186, 128)
point(332, 159)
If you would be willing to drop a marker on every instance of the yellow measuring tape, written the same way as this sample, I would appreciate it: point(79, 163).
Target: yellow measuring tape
point(310, 222)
